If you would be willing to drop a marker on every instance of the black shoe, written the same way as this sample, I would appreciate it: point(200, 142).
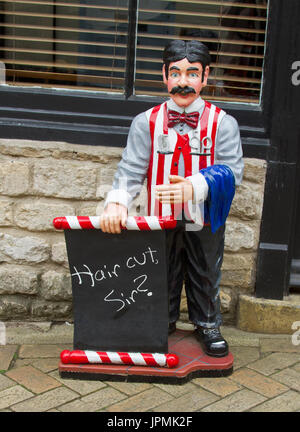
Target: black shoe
point(172, 327)
point(212, 341)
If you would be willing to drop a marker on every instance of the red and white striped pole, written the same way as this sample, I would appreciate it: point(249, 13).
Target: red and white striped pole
point(120, 358)
point(138, 223)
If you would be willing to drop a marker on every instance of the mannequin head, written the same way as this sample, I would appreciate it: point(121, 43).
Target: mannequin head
point(185, 70)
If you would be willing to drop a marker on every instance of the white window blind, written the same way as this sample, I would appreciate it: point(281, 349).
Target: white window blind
point(83, 44)
point(69, 44)
point(234, 31)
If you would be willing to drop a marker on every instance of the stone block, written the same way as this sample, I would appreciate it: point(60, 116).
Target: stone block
point(6, 213)
point(144, 401)
point(59, 150)
point(274, 362)
point(12, 307)
point(17, 280)
point(239, 236)
point(6, 356)
point(239, 401)
point(238, 278)
point(13, 395)
point(258, 383)
point(227, 300)
point(191, 403)
point(51, 310)
point(247, 203)
point(56, 286)
point(23, 249)
point(221, 386)
point(46, 401)
point(286, 402)
point(234, 261)
point(255, 170)
point(38, 216)
point(267, 316)
point(59, 253)
point(33, 379)
point(14, 178)
point(105, 181)
point(87, 209)
point(64, 179)
point(42, 351)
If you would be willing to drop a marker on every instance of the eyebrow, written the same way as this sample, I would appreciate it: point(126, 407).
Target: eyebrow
point(188, 69)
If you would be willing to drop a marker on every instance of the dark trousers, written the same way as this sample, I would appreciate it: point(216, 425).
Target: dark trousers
point(196, 258)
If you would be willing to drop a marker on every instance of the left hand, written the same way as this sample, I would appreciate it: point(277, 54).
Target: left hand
point(179, 190)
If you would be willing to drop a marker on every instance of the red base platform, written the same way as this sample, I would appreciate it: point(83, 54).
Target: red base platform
point(193, 363)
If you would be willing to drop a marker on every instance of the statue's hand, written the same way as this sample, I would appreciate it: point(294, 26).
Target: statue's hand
point(179, 190)
point(113, 218)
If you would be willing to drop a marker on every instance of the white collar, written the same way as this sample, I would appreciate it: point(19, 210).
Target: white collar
point(197, 105)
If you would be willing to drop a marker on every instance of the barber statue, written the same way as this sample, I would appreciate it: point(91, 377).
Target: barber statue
point(190, 152)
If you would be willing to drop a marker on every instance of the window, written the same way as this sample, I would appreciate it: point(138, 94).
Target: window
point(84, 44)
point(65, 44)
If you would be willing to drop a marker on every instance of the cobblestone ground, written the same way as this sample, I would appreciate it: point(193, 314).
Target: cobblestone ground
point(266, 378)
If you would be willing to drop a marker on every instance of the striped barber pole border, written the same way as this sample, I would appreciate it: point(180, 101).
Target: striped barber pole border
point(138, 223)
point(119, 358)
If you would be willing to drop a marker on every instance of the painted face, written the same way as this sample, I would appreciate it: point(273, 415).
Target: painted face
point(184, 81)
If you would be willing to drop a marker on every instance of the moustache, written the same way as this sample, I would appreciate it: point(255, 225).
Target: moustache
point(182, 90)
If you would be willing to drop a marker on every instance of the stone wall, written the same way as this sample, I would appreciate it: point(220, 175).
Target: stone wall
point(42, 180)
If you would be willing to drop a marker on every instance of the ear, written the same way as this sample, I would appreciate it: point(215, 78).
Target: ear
point(164, 75)
point(206, 73)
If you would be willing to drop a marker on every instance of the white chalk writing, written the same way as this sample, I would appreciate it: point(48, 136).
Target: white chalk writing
point(131, 298)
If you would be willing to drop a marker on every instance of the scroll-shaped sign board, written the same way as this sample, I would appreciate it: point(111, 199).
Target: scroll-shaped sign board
point(119, 284)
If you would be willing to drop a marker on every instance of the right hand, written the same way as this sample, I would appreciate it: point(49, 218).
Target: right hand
point(113, 218)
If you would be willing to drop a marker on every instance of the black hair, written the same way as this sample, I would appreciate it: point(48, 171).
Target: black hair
point(193, 50)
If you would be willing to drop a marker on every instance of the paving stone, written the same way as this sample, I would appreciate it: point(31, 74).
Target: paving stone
point(279, 345)
point(77, 405)
point(43, 364)
point(5, 382)
point(103, 398)
point(240, 401)
point(33, 379)
point(287, 402)
point(236, 337)
point(274, 363)
point(142, 402)
point(220, 386)
point(296, 367)
point(290, 377)
point(244, 355)
point(83, 387)
point(46, 365)
point(42, 351)
point(192, 402)
point(177, 389)
point(46, 401)
point(6, 355)
point(257, 382)
point(13, 395)
point(129, 388)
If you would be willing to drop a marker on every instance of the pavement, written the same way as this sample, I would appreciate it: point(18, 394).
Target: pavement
point(266, 377)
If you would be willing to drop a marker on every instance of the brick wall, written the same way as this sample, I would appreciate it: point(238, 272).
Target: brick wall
point(43, 180)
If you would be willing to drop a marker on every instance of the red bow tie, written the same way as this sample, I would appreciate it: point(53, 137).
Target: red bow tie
point(190, 119)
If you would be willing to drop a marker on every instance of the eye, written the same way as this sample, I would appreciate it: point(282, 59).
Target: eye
point(193, 75)
point(174, 74)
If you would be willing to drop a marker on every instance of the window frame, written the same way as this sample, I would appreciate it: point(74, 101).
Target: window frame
point(86, 117)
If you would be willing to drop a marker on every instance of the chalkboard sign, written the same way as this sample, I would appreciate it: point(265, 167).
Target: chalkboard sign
point(119, 285)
